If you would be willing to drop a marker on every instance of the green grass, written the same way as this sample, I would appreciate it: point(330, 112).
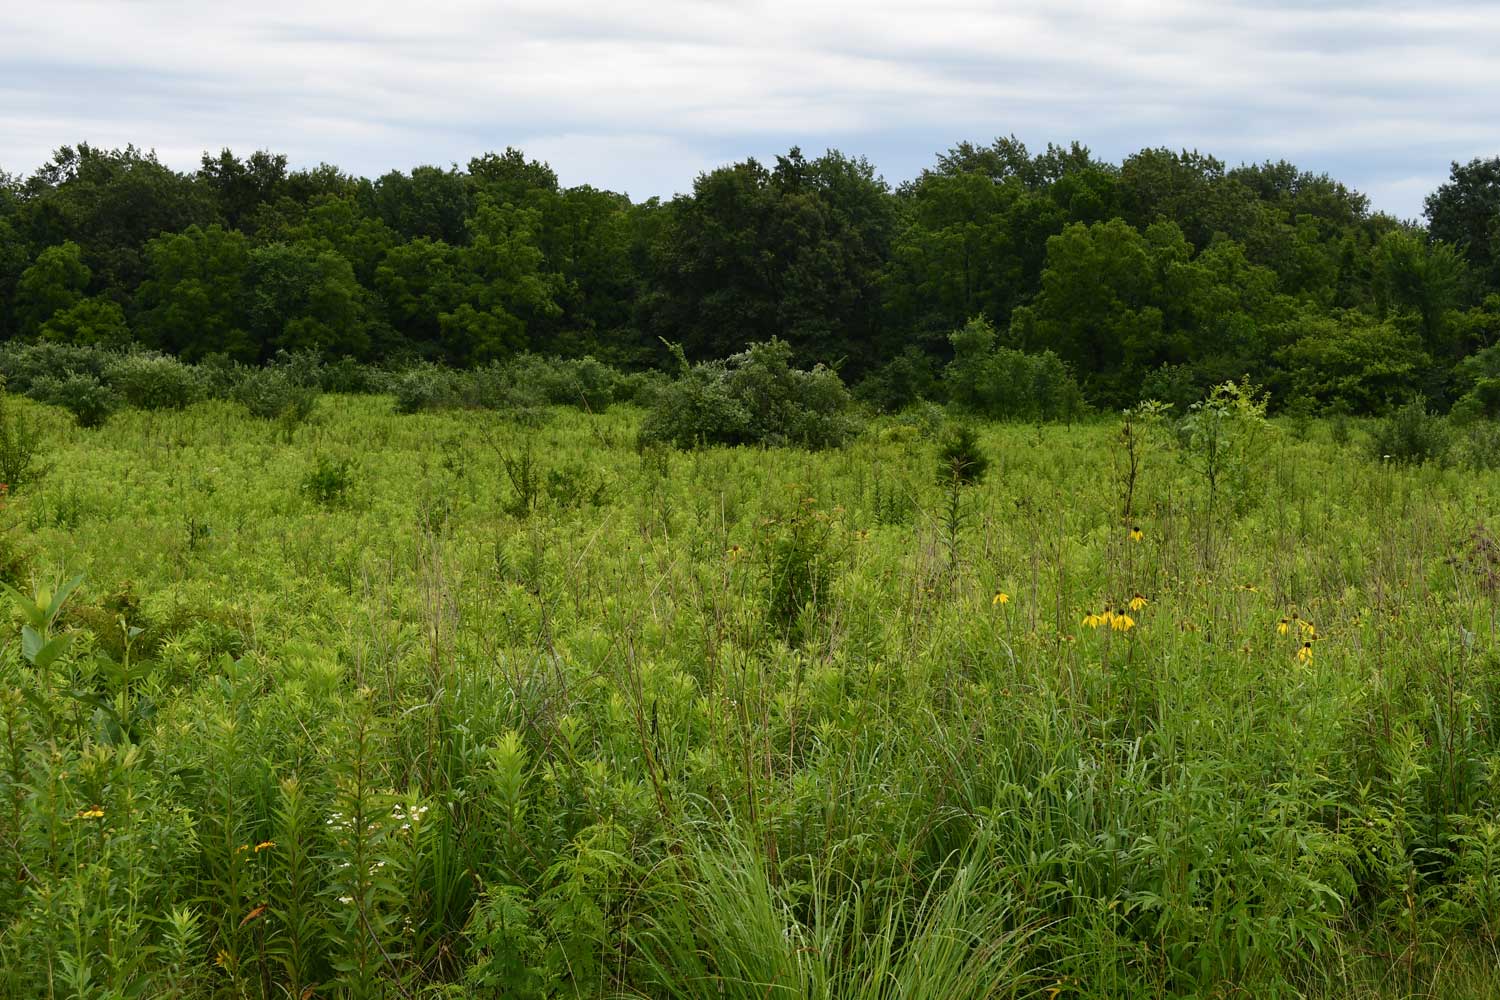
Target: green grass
point(350, 717)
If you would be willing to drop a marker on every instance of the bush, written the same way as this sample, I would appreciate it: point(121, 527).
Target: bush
point(330, 481)
point(1006, 384)
point(755, 397)
point(909, 378)
point(424, 387)
point(1411, 435)
point(22, 364)
point(20, 442)
point(90, 401)
point(276, 393)
point(153, 381)
point(960, 459)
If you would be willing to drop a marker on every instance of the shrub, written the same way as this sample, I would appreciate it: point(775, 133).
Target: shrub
point(276, 393)
point(153, 381)
point(22, 364)
point(1007, 384)
point(960, 459)
point(905, 380)
point(89, 400)
point(20, 443)
point(1411, 435)
point(330, 481)
point(755, 397)
point(424, 387)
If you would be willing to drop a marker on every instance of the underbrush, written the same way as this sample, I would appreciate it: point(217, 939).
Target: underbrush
point(461, 703)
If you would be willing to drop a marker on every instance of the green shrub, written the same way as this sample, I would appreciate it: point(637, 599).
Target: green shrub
point(905, 380)
point(276, 393)
point(89, 400)
point(20, 444)
point(1006, 384)
point(22, 364)
point(330, 481)
point(756, 397)
point(960, 459)
point(153, 381)
point(1411, 435)
point(424, 387)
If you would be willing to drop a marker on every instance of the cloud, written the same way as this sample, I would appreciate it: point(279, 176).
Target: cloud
point(644, 95)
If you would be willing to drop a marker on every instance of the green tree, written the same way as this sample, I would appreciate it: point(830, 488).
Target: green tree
point(194, 300)
point(304, 297)
point(56, 281)
point(1465, 212)
point(90, 322)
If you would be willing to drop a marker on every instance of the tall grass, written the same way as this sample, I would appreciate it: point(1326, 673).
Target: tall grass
point(742, 721)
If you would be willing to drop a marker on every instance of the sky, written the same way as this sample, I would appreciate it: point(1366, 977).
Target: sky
point(642, 97)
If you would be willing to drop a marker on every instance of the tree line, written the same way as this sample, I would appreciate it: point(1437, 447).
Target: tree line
point(1155, 277)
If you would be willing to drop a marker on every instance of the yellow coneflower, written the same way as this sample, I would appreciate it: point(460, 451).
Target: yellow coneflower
point(1304, 652)
point(1136, 534)
point(1093, 620)
point(734, 551)
point(1001, 597)
point(1138, 602)
point(1282, 626)
point(1122, 623)
point(93, 813)
point(1309, 630)
point(223, 959)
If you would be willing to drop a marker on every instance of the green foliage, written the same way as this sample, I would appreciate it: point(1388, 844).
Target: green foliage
point(1411, 435)
point(752, 398)
point(960, 458)
point(89, 400)
point(20, 445)
point(1005, 384)
point(330, 482)
point(153, 381)
point(685, 732)
point(276, 393)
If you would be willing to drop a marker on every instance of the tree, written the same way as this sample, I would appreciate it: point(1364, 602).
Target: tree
point(194, 300)
point(91, 322)
point(1465, 212)
point(303, 297)
point(1426, 278)
point(54, 282)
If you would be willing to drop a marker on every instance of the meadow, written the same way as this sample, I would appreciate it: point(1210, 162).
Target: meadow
point(450, 704)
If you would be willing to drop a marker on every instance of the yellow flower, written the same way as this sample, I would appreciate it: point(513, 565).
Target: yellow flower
point(1122, 623)
point(264, 845)
point(1001, 597)
point(1308, 630)
point(1138, 602)
point(94, 813)
point(223, 959)
point(1092, 620)
point(1136, 534)
point(1282, 626)
point(734, 551)
point(1304, 654)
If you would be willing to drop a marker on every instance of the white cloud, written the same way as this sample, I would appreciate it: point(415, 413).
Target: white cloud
point(644, 95)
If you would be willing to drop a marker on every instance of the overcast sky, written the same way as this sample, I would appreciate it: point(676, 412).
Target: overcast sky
point(641, 97)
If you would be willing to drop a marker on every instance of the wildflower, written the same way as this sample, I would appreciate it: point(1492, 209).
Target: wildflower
point(1136, 534)
point(1304, 654)
point(1308, 630)
point(1122, 623)
point(1138, 602)
point(223, 959)
point(264, 845)
point(1282, 626)
point(1093, 620)
point(1001, 597)
point(734, 552)
point(94, 813)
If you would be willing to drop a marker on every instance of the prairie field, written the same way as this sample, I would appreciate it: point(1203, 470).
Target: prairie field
point(451, 704)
